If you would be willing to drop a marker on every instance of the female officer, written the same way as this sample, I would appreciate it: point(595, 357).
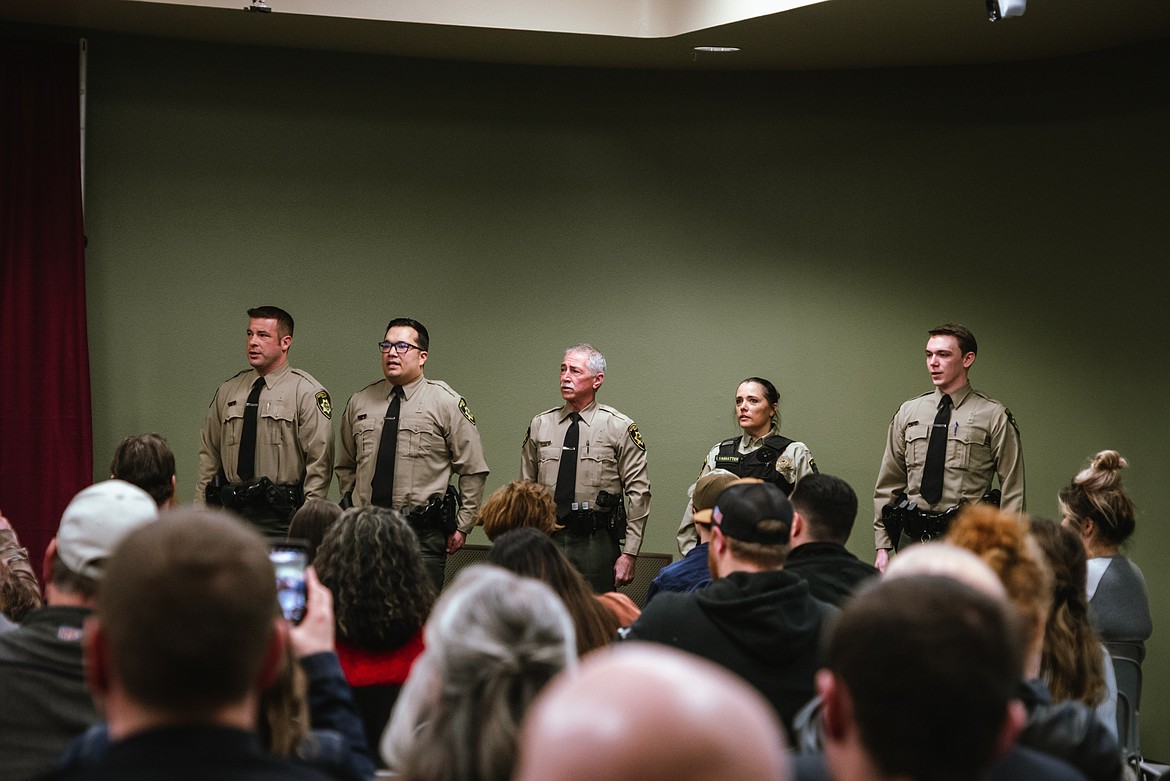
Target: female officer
point(760, 451)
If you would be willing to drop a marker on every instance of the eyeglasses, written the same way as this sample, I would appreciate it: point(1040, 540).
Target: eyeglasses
point(402, 348)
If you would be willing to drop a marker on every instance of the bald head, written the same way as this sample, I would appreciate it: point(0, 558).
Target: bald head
point(645, 712)
point(947, 560)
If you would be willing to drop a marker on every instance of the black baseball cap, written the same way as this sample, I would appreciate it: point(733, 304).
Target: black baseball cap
point(740, 508)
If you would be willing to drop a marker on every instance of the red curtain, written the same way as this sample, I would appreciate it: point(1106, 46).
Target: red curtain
point(46, 443)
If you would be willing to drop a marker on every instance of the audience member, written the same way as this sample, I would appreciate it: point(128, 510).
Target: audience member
point(1073, 664)
point(519, 504)
point(920, 682)
point(1096, 505)
point(1070, 729)
point(370, 560)
point(493, 642)
point(183, 641)
point(311, 521)
point(308, 711)
point(533, 554)
point(755, 619)
point(824, 508)
point(691, 573)
point(20, 594)
point(650, 713)
point(44, 701)
point(146, 460)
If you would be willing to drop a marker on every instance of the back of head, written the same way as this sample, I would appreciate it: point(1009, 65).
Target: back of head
point(534, 554)
point(519, 504)
point(187, 608)
point(370, 560)
point(947, 560)
point(94, 523)
point(1071, 662)
point(646, 712)
point(146, 460)
point(929, 666)
point(828, 505)
point(494, 640)
point(1001, 539)
point(756, 520)
point(311, 521)
point(1096, 494)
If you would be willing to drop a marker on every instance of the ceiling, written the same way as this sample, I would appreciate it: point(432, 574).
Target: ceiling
point(654, 34)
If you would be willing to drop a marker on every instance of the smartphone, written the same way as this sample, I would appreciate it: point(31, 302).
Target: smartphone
point(289, 559)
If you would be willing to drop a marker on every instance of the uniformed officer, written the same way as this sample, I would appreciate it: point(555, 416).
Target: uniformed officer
point(402, 437)
point(761, 451)
point(589, 456)
point(947, 446)
point(267, 443)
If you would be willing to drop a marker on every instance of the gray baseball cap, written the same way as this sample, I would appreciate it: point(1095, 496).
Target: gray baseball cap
point(95, 522)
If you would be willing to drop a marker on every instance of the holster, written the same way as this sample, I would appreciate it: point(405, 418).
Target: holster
point(440, 512)
point(903, 516)
point(282, 500)
point(614, 506)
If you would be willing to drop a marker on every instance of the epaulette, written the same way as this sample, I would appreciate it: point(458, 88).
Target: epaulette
point(615, 413)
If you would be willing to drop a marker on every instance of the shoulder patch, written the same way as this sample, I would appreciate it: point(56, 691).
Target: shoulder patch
point(636, 437)
point(466, 412)
point(324, 404)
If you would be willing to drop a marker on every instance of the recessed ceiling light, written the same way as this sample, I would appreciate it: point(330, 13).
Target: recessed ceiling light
point(716, 48)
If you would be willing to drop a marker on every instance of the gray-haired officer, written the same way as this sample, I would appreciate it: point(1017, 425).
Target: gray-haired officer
point(592, 459)
point(401, 439)
point(267, 443)
point(947, 446)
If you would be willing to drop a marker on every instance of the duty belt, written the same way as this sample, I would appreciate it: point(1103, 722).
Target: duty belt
point(584, 521)
point(904, 517)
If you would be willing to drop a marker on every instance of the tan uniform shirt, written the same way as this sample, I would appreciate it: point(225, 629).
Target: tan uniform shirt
point(794, 463)
point(982, 442)
point(294, 438)
point(436, 436)
point(611, 456)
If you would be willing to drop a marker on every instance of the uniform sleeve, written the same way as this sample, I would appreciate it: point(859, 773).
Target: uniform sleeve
point(891, 479)
point(467, 460)
point(1009, 462)
point(529, 463)
point(686, 535)
point(346, 467)
point(803, 464)
point(636, 487)
point(316, 439)
point(209, 442)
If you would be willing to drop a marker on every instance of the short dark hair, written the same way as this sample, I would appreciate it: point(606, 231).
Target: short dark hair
point(424, 338)
point(930, 665)
point(70, 582)
point(828, 505)
point(962, 334)
point(147, 461)
point(187, 605)
point(311, 521)
point(284, 321)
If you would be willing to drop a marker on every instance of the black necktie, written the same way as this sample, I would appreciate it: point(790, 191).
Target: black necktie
point(936, 453)
point(246, 465)
point(382, 486)
point(567, 472)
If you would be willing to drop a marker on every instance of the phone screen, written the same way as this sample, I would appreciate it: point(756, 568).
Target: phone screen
point(289, 559)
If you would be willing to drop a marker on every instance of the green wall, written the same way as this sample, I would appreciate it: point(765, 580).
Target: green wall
point(697, 228)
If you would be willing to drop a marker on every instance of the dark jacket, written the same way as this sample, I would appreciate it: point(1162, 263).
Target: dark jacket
point(832, 572)
point(764, 626)
point(1070, 730)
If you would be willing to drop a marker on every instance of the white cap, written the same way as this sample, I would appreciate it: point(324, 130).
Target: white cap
point(95, 522)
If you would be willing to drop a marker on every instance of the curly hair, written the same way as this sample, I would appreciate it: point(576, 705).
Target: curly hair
point(519, 504)
point(1001, 539)
point(494, 641)
point(370, 560)
point(1071, 663)
point(532, 554)
point(1096, 493)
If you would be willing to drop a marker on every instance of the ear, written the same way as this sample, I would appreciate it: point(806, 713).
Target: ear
point(597, 380)
point(422, 358)
point(797, 526)
point(718, 541)
point(274, 654)
point(47, 562)
point(836, 706)
point(968, 359)
point(95, 651)
point(285, 343)
point(1013, 724)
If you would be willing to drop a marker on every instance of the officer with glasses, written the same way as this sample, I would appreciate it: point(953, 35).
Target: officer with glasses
point(401, 439)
